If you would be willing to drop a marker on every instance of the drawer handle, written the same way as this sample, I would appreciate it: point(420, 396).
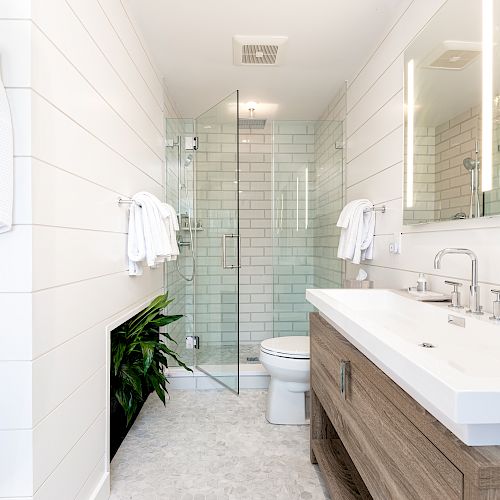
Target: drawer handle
point(345, 374)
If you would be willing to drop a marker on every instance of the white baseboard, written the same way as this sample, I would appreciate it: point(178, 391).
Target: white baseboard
point(103, 489)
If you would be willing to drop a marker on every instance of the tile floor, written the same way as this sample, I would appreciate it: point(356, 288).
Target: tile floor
point(213, 445)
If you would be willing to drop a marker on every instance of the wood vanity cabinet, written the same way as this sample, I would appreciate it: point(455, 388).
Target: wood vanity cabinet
point(372, 440)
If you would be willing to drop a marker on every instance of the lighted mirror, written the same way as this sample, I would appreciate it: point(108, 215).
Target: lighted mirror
point(452, 161)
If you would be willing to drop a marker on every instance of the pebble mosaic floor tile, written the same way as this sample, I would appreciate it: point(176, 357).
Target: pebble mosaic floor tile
point(213, 445)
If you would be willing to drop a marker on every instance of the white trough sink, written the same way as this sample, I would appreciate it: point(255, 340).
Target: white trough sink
point(458, 380)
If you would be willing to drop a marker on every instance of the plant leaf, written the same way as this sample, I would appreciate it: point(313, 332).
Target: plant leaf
point(166, 320)
point(148, 351)
point(118, 356)
point(156, 305)
point(131, 376)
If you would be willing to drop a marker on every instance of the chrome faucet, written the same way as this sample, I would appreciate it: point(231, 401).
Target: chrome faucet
point(474, 304)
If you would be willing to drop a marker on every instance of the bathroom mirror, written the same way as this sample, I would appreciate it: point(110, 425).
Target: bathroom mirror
point(452, 161)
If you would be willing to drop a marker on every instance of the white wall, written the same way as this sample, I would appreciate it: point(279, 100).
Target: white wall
point(329, 193)
point(375, 170)
point(88, 119)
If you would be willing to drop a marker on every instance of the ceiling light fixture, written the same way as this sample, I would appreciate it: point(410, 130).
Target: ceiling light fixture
point(251, 105)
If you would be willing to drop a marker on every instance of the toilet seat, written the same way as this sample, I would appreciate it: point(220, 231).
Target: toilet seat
point(293, 347)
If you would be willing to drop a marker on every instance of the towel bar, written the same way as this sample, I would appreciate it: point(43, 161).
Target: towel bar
point(382, 209)
point(125, 200)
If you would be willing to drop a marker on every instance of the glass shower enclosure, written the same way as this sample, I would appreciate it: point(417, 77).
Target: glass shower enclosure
point(266, 197)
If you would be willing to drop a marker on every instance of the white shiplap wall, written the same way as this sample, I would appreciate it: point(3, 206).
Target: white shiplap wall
point(88, 111)
point(375, 170)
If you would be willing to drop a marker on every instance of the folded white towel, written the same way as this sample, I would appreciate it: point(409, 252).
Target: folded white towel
point(152, 232)
point(357, 223)
point(6, 163)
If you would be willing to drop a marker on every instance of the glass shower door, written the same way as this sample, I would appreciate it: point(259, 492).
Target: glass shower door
point(218, 242)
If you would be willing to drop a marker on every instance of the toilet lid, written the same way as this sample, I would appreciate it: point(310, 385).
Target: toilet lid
point(291, 347)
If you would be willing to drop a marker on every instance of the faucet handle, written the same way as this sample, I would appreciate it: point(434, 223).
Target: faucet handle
point(455, 295)
point(496, 305)
point(454, 284)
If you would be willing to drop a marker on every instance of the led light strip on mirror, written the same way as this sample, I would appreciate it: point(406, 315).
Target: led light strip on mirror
point(410, 82)
point(487, 97)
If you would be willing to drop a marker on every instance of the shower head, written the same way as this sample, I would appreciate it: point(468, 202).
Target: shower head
point(188, 160)
point(470, 164)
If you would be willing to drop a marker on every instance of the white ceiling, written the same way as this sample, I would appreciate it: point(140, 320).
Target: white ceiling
point(328, 41)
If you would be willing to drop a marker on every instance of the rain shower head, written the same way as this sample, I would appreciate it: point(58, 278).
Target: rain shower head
point(252, 123)
point(470, 164)
point(188, 160)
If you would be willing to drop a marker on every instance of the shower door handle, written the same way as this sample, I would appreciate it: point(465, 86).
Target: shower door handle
point(225, 265)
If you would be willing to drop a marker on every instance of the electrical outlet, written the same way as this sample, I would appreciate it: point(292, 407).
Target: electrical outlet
point(395, 245)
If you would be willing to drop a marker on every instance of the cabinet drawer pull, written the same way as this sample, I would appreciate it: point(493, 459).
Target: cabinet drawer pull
point(345, 374)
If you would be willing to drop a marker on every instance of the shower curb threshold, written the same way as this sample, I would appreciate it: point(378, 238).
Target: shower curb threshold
point(252, 376)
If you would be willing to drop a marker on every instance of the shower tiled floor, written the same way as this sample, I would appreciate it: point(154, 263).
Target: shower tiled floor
point(213, 445)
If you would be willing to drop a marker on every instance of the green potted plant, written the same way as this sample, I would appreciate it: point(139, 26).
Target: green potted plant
point(139, 357)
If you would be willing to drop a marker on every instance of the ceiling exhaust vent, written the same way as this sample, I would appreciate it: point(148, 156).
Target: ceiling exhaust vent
point(258, 50)
point(251, 123)
point(453, 55)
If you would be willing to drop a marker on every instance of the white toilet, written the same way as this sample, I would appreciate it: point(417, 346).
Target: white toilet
point(287, 361)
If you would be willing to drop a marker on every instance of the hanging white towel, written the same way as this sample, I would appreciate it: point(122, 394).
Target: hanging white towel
point(136, 246)
point(152, 232)
point(155, 232)
point(172, 228)
point(357, 223)
point(6, 163)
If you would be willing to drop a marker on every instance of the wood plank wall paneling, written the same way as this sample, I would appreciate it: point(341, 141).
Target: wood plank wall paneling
point(88, 114)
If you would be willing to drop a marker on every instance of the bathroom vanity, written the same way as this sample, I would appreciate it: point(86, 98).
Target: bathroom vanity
point(370, 437)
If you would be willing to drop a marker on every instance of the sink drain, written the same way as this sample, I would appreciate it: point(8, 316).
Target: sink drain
point(427, 345)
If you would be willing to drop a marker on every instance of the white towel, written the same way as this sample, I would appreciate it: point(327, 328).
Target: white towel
point(357, 223)
point(152, 232)
point(155, 232)
point(6, 163)
point(172, 228)
point(136, 248)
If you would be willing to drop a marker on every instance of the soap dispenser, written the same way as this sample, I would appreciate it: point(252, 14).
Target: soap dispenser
point(422, 283)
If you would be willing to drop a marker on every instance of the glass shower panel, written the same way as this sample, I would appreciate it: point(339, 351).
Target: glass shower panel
point(293, 221)
point(307, 194)
point(218, 242)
